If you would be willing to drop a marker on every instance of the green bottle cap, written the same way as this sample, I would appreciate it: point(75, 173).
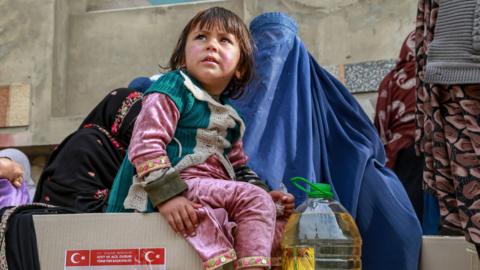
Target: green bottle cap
point(317, 190)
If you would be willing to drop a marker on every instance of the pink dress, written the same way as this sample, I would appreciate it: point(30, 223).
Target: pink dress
point(238, 220)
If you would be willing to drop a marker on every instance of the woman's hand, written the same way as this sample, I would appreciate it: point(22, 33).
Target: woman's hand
point(286, 199)
point(12, 171)
point(180, 214)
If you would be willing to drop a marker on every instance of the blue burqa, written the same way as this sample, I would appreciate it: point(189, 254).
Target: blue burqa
point(301, 121)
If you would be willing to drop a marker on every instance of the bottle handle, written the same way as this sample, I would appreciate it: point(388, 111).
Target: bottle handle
point(317, 190)
point(295, 179)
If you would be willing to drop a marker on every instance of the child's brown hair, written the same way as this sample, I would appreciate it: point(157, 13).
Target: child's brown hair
point(229, 22)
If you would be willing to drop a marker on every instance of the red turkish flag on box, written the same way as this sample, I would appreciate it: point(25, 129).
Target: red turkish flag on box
point(116, 259)
point(149, 256)
point(77, 258)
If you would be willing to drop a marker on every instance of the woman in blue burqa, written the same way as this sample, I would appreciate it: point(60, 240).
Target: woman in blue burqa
point(301, 121)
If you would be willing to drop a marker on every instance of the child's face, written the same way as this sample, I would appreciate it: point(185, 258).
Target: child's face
point(211, 57)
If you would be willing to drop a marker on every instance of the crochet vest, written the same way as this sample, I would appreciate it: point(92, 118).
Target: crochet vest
point(206, 127)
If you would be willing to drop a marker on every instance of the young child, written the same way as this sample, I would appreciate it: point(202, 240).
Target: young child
point(187, 149)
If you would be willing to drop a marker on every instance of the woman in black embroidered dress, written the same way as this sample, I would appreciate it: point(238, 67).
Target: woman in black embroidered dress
point(80, 172)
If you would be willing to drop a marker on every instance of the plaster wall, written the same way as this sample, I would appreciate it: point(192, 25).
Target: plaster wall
point(71, 54)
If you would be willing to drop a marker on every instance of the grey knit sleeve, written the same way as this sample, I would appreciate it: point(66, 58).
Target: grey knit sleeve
point(454, 54)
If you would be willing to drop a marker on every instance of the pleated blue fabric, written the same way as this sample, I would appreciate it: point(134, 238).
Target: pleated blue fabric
point(301, 121)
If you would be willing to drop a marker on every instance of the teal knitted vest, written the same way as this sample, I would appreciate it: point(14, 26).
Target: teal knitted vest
point(195, 114)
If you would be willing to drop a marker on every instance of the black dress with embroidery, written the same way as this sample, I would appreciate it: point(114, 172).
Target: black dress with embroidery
point(18, 240)
point(81, 170)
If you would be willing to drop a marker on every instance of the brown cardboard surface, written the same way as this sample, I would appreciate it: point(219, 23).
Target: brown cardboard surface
point(58, 233)
point(448, 253)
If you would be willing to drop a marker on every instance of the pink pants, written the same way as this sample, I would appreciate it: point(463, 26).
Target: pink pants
point(237, 223)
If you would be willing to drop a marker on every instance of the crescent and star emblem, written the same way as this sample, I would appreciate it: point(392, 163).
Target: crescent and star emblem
point(152, 258)
point(72, 258)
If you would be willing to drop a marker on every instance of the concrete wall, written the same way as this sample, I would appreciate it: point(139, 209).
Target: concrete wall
point(70, 53)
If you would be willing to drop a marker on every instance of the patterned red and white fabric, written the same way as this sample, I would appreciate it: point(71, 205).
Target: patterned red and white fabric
point(395, 110)
point(448, 135)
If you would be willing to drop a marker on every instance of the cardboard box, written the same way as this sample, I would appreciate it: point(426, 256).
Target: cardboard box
point(448, 253)
point(57, 234)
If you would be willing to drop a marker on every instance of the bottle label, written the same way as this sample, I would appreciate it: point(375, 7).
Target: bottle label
point(298, 258)
point(319, 222)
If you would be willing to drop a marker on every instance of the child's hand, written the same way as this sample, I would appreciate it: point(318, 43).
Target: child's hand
point(180, 214)
point(286, 199)
point(12, 171)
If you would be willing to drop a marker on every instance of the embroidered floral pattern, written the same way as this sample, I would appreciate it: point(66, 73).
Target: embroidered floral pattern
point(152, 165)
point(260, 261)
point(101, 194)
point(114, 142)
point(123, 110)
point(220, 260)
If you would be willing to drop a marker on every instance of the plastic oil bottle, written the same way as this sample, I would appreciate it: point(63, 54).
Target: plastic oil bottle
point(321, 234)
